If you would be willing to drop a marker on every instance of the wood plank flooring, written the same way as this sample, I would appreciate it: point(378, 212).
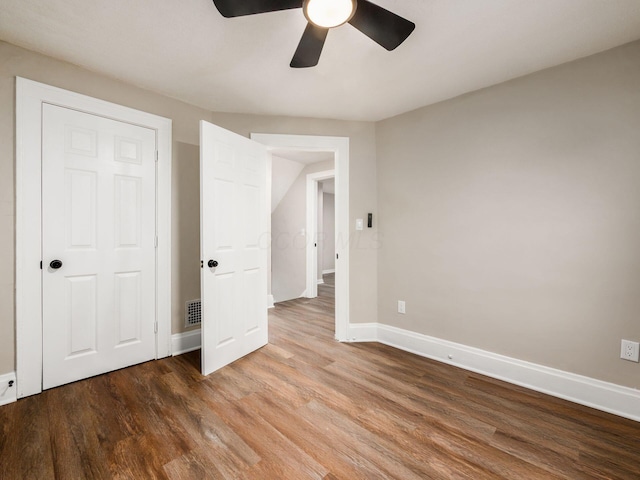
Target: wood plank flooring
point(306, 407)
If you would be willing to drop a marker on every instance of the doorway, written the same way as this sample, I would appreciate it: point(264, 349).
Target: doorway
point(326, 242)
point(339, 146)
point(315, 228)
point(326, 232)
point(291, 230)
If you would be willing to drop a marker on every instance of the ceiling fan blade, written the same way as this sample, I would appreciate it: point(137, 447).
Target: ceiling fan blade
point(380, 25)
point(238, 8)
point(310, 47)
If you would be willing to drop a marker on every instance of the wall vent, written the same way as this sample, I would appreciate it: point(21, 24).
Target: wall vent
point(192, 313)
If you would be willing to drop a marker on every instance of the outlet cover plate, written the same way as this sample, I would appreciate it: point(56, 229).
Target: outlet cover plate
point(629, 350)
point(8, 394)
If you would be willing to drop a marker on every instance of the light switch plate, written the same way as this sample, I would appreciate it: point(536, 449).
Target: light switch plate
point(359, 224)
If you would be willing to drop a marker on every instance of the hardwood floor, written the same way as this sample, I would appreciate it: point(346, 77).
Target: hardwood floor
point(306, 406)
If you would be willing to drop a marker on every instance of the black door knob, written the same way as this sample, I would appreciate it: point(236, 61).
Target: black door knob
point(55, 264)
point(212, 263)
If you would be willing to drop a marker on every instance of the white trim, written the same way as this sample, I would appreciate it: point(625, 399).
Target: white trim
point(268, 189)
point(608, 397)
point(30, 96)
point(326, 272)
point(340, 148)
point(363, 332)
point(312, 229)
point(185, 342)
point(8, 394)
point(320, 281)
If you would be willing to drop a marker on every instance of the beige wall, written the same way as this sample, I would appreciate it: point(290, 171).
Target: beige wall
point(16, 61)
point(289, 245)
point(185, 231)
point(510, 217)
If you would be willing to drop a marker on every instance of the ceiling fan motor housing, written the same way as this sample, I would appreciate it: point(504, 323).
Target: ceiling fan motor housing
point(329, 13)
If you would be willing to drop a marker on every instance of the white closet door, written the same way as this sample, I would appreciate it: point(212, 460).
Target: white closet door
point(234, 240)
point(98, 194)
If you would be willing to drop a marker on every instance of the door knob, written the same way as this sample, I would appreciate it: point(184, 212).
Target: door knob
point(212, 263)
point(55, 264)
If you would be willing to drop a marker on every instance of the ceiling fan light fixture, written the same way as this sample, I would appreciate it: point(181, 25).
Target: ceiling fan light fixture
point(329, 13)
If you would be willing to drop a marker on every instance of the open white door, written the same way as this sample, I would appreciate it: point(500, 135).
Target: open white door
point(233, 246)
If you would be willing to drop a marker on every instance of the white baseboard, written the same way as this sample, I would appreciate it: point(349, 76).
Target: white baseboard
point(270, 301)
point(185, 342)
point(363, 332)
point(331, 270)
point(8, 394)
point(608, 397)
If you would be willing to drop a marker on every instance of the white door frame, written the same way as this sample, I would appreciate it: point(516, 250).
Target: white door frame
point(340, 148)
point(30, 96)
point(312, 229)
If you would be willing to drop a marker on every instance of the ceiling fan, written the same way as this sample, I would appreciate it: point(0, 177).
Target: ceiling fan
point(380, 25)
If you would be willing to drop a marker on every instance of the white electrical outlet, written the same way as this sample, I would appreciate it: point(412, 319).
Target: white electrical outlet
point(401, 307)
point(629, 350)
point(8, 388)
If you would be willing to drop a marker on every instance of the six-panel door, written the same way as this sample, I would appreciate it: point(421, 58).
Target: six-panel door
point(234, 237)
point(98, 209)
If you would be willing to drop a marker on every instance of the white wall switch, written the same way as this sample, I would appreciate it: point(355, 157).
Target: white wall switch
point(359, 224)
point(629, 350)
point(401, 307)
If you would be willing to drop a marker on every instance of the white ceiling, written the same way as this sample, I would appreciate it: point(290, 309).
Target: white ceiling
point(304, 157)
point(185, 49)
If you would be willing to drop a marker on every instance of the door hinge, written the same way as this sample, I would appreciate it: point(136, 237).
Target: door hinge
point(155, 327)
point(155, 241)
point(157, 155)
point(337, 256)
